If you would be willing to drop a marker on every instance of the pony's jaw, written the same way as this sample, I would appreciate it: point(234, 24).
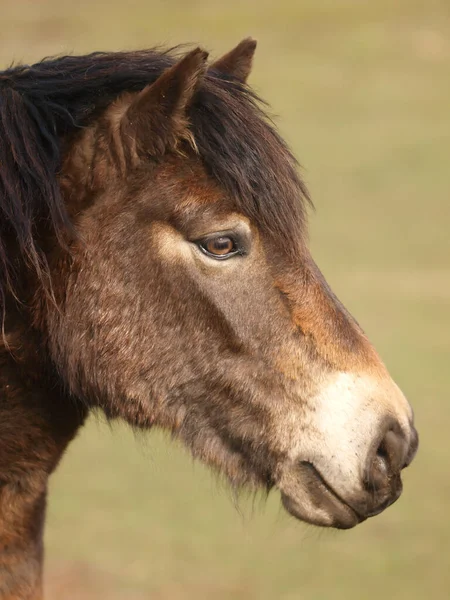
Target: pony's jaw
point(318, 452)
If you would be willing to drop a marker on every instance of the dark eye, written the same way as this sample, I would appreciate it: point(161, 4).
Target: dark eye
point(220, 247)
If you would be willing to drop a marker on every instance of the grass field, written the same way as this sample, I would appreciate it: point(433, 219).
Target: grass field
point(363, 93)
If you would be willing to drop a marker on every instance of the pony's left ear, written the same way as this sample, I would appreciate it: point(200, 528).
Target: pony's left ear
point(157, 116)
point(238, 62)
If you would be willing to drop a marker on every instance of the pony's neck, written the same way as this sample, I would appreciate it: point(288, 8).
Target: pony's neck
point(36, 424)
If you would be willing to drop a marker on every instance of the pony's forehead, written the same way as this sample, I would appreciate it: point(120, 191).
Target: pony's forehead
point(182, 189)
point(246, 156)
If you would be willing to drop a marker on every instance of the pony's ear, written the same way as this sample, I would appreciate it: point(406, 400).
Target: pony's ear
point(157, 117)
point(237, 62)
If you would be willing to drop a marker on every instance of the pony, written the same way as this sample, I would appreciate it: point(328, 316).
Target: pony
point(154, 265)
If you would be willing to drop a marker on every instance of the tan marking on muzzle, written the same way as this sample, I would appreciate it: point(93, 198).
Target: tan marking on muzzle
point(337, 426)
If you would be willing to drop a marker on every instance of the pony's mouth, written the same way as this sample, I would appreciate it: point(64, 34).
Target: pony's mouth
point(318, 503)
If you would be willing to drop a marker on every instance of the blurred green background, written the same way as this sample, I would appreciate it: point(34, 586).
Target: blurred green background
point(363, 93)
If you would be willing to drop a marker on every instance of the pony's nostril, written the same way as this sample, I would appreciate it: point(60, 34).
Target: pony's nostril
point(381, 461)
point(378, 471)
point(386, 460)
point(395, 446)
point(382, 452)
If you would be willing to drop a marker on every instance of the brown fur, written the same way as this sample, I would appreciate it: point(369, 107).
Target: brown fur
point(37, 421)
point(138, 321)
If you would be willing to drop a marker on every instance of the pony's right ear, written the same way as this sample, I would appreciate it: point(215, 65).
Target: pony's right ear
point(238, 62)
point(156, 118)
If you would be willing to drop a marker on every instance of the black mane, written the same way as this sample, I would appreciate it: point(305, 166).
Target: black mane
point(41, 104)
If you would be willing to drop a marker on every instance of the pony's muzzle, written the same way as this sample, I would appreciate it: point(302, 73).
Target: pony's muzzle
point(330, 489)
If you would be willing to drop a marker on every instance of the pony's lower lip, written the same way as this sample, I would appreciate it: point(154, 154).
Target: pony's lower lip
point(331, 491)
point(325, 508)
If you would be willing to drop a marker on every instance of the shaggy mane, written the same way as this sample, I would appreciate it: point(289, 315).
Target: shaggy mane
point(42, 104)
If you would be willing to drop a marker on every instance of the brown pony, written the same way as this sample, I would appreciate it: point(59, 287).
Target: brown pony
point(154, 265)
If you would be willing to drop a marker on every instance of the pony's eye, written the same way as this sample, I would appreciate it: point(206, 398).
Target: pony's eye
point(219, 247)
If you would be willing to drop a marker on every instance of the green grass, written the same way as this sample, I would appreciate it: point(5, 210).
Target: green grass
point(363, 93)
